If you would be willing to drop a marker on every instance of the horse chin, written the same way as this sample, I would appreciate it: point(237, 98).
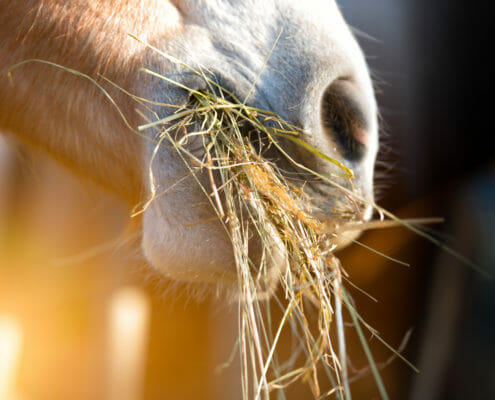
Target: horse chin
point(187, 253)
point(203, 253)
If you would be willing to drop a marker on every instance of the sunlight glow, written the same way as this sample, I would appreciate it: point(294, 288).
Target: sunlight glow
point(128, 338)
point(10, 349)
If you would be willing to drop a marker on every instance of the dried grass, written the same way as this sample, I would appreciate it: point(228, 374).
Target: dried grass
point(253, 198)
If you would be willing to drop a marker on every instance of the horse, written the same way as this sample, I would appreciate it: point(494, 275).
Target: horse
point(68, 69)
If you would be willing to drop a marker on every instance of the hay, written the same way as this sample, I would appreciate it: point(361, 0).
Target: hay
point(253, 199)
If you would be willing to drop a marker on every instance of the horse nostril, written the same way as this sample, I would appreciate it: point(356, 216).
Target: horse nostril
point(343, 117)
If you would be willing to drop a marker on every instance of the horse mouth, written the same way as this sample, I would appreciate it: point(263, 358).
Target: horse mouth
point(247, 171)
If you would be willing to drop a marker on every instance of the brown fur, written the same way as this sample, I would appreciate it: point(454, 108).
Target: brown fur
point(66, 115)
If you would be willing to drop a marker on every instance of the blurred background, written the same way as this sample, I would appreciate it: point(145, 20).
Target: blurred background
point(63, 280)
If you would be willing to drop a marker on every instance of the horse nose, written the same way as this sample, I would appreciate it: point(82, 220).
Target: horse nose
point(346, 119)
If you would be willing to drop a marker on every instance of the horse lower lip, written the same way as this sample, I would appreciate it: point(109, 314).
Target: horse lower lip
point(344, 239)
point(368, 213)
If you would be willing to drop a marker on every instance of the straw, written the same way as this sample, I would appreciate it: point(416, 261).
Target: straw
point(253, 197)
